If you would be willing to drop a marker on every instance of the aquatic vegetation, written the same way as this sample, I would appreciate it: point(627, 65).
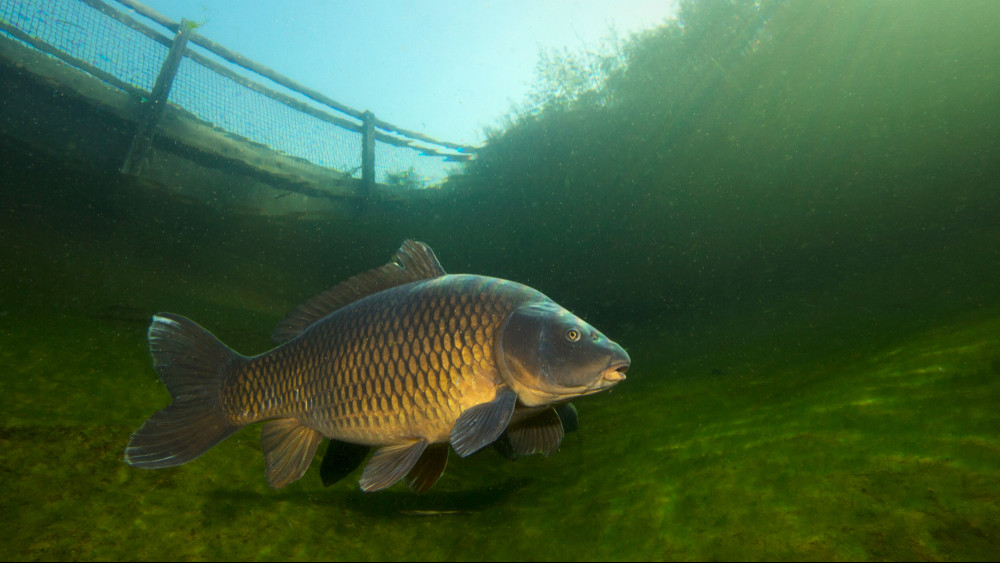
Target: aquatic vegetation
point(407, 179)
point(786, 213)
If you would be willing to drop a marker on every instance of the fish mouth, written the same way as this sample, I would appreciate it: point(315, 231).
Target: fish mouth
point(608, 377)
point(618, 364)
point(614, 373)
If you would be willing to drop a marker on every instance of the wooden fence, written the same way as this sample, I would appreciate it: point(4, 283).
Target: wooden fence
point(151, 104)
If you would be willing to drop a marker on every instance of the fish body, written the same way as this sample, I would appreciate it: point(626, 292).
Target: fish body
point(404, 358)
point(404, 362)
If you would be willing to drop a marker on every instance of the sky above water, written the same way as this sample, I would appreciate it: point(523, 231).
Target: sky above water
point(446, 68)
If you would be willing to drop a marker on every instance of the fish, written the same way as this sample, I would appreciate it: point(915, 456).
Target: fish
point(404, 359)
point(342, 458)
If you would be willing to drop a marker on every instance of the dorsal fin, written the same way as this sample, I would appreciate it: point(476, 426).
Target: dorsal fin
point(413, 261)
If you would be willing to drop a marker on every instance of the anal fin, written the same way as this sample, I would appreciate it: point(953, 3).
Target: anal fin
point(289, 448)
point(390, 464)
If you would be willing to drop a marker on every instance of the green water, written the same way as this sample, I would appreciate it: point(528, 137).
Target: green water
point(811, 302)
point(792, 428)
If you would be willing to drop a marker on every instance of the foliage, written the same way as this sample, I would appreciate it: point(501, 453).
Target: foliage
point(626, 88)
point(407, 179)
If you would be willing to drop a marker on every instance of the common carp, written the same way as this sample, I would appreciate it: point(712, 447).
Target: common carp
point(403, 358)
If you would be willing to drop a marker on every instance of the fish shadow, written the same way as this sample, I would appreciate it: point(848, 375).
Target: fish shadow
point(444, 503)
point(383, 504)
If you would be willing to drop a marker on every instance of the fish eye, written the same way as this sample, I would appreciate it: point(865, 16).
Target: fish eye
point(572, 335)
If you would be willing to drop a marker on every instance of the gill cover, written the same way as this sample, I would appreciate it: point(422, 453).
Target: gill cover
point(547, 354)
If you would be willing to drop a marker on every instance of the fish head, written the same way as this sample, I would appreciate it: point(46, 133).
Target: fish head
point(548, 355)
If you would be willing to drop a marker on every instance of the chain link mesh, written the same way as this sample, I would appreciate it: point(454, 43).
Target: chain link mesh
point(85, 33)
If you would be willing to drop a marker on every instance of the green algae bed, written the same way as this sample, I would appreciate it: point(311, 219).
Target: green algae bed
point(887, 454)
point(857, 420)
point(788, 217)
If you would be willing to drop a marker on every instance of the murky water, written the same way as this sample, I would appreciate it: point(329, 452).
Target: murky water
point(806, 281)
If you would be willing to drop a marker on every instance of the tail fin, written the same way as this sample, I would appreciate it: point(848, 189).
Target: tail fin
point(192, 363)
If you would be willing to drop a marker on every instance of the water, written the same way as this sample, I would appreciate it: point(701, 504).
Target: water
point(803, 268)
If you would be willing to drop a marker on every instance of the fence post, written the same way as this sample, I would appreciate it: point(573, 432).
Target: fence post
point(367, 156)
point(152, 109)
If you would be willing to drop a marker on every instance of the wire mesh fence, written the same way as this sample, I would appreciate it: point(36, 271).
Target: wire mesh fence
point(86, 34)
point(254, 116)
point(122, 47)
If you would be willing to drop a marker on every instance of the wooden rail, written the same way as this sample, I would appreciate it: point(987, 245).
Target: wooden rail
point(369, 127)
point(187, 145)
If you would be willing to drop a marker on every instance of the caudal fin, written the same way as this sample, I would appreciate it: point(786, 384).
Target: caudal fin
point(192, 363)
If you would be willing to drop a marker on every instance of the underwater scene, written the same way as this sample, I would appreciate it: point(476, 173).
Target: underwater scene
point(787, 213)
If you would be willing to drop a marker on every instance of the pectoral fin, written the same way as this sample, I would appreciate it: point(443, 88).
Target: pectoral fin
point(537, 434)
point(340, 460)
point(390, 464)
point(569, 417)
point(541, 433)
point(289, 448)
point(483, 423)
